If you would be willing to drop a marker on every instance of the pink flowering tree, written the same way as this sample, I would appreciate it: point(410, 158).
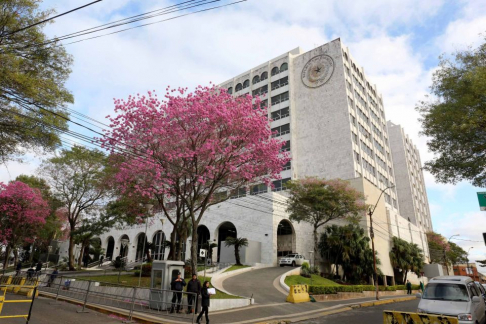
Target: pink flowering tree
point(319, 201)
point(23, 211)
point(193, 150)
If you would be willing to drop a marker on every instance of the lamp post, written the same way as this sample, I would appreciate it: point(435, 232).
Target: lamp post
point(467, 262)
point(445, 255)
point(149, 211)
point(311, 252)
point(49, 248)
point(372, 235)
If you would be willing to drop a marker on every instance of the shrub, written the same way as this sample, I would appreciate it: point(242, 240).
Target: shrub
point(136, 273)
point(305, 272)
point(305, 265)
point(147, 270)
point(321, 290)
point(315, 270)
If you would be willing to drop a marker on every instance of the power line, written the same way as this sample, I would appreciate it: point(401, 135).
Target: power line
point(46, 20)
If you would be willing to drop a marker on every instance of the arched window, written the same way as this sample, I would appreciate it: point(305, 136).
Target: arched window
point(264, 76)
point(230, 90)
point(238, 87)
point(275, 71)
point(256, 79)
point(159, 246)
point(246, 84)
point(284, 67)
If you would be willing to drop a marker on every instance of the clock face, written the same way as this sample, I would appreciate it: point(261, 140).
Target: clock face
point(317, 71)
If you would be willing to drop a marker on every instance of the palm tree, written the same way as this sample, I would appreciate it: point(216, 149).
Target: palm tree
point(406, 257)
point(237, 243)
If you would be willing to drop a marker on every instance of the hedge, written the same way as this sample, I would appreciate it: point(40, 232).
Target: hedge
point(323, 290)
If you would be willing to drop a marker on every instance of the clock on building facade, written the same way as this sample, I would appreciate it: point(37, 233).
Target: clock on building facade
point(317, 71)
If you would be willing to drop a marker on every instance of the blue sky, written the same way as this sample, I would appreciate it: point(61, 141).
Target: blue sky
point(397, 41)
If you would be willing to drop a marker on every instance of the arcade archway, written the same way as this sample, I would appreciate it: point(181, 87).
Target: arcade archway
point(110, 247)
point(285, 238)
point(226, 229)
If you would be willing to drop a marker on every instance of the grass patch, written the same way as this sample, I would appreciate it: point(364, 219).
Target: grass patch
point(236, 267)
point(131, 280)
point(316, 281)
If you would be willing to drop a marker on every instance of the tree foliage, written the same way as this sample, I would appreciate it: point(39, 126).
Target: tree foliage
point(195, 148)
point(22, 212)
point(237, 243)
point(31, 76)
point(406, 257)
point(443, 252)
point(319, 201)
point(455, 121)
point(348, 247)
point(77, 179)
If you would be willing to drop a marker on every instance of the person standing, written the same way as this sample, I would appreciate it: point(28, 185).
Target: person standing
point(86, 260)
point(52, 277)
point(177, 285)
point(18, 268)
point(193, 286)
point(205, 296)
point(409, 287)
point(422, 288)
point(101, 261)
point(38, 268)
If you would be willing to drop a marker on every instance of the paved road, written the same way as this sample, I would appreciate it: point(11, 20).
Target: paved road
point(44, 313)
point(366, 315)
point(258, 283)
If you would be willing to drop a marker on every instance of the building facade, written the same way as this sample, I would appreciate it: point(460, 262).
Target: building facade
point(469, 270)
point(333, 121)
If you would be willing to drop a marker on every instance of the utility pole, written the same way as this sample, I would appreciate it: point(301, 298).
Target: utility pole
point(445, 255)
point(372, 235)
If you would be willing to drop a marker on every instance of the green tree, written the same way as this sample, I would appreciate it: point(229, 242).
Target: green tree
point(456, 255)
point(406, 257)
point(238, 243)
point(31, 76)
point(348, 247)
point(78, 180)
point(319, 201)
point(455, 122)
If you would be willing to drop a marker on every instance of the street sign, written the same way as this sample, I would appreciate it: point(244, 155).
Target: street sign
point(202, 253)
point(482, 200)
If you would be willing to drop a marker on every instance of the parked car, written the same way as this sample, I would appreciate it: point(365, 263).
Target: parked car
point(482, 290)
point(292, 260)
point(456, 296)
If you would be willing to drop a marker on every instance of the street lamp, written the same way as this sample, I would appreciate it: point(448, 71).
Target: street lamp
point(149, 211)
point(372, 235)
point(49, 248)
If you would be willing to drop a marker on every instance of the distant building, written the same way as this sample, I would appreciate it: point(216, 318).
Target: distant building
point(469, 270)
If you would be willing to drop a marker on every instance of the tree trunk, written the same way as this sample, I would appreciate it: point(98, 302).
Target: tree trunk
point(7, 257)
point(81, 255)
point(179, 249)
point(237, 255)
point(71, 254)
point(16, 256)
point(405, 276)
point(194, 253)
point(172, 247)
point(316, 244)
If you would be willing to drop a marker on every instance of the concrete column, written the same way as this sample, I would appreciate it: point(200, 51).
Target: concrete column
point(384, 281)
point(393, 281)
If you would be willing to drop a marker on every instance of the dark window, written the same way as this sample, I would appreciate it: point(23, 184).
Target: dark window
point(285, 147)
point(275, 71)
point(287, 166)
point(264, 76)
point(259, 189)
point(282, 113)
point(279, 185)
point(230, 90)
point(256, 79)
point(264, 103)
point(280, 83)
point(241, 192)
point(281, 130)
point(280, 98)
point(238, 87)
point(284, 67)
point(261, 90)
point(246, 84)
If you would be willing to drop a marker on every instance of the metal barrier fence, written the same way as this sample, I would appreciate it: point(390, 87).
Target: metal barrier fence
point(155, 302)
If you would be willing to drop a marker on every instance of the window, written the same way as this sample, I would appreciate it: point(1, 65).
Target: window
point(282, 113)
point(279, 185)
point(256, 79)
point(355, 138)
point(347, 72)
point(264, 104)
point(287, 166)
point(230, 90)
point(345, 56)
point(348, 85)
point(364, 131)
point(281, 130)
point(353, 119)
point(159, 246)
point(356, 155)
point(241, 192)
point(280, 98)
point(258, 189)
point(264, 76)
point(284, 67)
point(280, 83)
point(367, 149)
point(275, 71)
point(260, 91)
point(238, 87)
point(285, 147)
point(446, 291)
point(246, 84)
point(369, 167)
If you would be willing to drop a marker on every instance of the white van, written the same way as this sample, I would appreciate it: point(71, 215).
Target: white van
point(455, 296)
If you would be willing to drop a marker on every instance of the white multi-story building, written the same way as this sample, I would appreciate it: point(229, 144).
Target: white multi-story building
point(412, 196)
point(333, 120)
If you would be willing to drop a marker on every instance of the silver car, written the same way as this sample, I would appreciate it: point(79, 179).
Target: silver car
point(455, 296)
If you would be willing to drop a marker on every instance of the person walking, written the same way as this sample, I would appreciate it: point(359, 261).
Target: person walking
point(38, 268)
point(86, 260)
point(205, 296)
point(18, 268)
point(193, 286)
point(52, 277)
point(101, 261)
point(422, 288)
point(409, 287)
point(177, 285)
